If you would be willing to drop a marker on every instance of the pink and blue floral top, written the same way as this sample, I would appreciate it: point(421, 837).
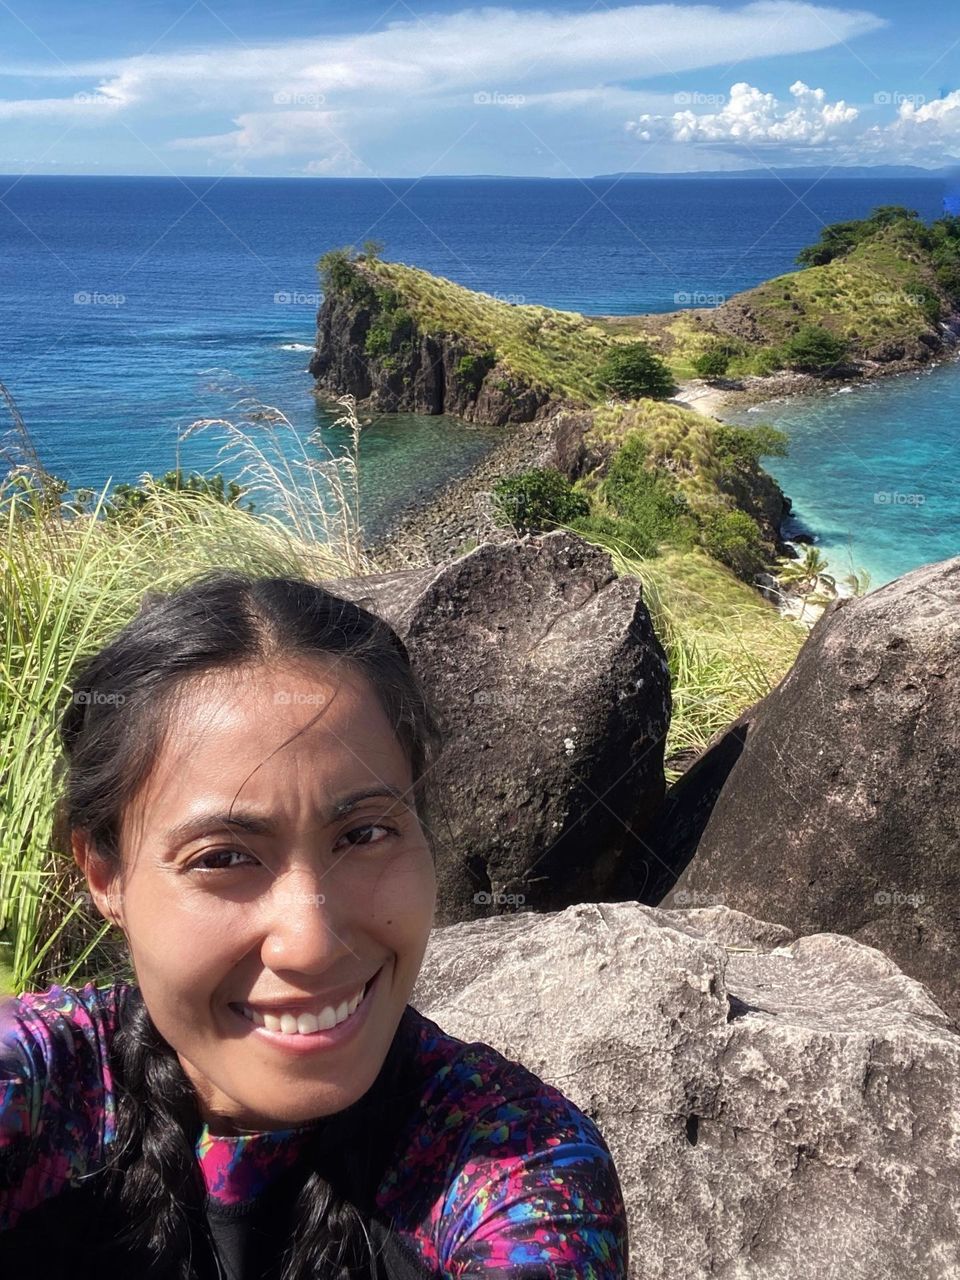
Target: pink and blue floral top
point(526, 1184)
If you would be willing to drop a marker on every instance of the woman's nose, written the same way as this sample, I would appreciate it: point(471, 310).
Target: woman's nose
point(304, 924)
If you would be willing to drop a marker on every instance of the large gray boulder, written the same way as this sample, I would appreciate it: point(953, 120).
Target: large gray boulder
point(553, 693)
point(834, 804)
point(777, 1109)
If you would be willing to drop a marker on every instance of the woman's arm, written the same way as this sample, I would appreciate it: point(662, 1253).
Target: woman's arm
point(538, 1198)
point(56, 1092)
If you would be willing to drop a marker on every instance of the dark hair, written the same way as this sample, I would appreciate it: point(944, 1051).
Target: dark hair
point(111, 730)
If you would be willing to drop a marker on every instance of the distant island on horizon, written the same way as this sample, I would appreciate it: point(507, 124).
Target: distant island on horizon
point(820, 172)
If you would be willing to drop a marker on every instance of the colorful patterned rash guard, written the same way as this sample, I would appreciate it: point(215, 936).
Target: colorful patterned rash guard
point(497, 1174)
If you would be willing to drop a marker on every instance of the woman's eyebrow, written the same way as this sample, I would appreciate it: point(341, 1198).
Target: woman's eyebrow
point(258, 825)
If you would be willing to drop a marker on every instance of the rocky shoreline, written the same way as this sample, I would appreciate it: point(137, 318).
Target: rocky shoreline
point(457, 516)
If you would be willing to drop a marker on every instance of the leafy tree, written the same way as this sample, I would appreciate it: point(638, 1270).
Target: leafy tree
point(813, 349)
point(734, 538)
point(767, 360)
point(536, 500)
point(749, 444)
point(648, 502)
point(631, 370)
point(841, 237)
point(806, 572)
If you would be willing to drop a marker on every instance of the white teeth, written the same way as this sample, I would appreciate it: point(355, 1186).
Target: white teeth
point(304, 1024)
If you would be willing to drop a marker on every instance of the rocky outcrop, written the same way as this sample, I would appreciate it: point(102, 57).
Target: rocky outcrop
point(834, 803)
point(410, 371)
point(776, 1107)
point(554, 696)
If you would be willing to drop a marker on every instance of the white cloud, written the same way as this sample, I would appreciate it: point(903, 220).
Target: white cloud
point(753, 118)
point(437, 56)
point(749, 119)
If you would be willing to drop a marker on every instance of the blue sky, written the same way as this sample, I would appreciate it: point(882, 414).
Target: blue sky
point(407, 89)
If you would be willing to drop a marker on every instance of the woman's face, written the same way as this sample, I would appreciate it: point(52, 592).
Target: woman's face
point(259, 873)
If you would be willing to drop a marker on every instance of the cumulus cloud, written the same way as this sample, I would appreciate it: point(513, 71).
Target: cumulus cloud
point(751, 120)
point(922, 132)
point(754, 118)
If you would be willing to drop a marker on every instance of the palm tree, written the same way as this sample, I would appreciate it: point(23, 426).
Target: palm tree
point(809, 576)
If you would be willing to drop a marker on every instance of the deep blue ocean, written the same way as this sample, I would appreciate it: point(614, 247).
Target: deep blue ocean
point(131, 307)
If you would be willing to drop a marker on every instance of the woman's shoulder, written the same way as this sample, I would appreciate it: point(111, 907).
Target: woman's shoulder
point(57, 1101)
point(61, 1026)
point(477, 1082)
point(506, 1168)
point(88, 1005)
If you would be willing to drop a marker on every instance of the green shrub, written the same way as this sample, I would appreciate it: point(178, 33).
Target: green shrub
point(712, 363)
point(537, 500)
point(767, 360)
point(632, 370)
point(813, 349)
point(390, 329)
point(125, 501)
point(749, 444)
point(841, 237)
point(646, 500)
point(473, 368)
point(734, 538)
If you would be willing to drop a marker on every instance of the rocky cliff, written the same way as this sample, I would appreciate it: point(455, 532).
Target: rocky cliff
point(372, 345)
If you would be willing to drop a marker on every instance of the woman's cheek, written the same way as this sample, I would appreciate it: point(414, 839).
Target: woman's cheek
point(403, 895)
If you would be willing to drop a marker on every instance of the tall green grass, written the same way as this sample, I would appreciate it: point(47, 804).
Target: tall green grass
point(726, 646)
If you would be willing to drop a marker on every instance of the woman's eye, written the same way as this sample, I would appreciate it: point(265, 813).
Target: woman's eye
point(361, 835)
point(210, 861)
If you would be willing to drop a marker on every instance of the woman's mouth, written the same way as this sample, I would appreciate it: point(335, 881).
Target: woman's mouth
point(293, 1023)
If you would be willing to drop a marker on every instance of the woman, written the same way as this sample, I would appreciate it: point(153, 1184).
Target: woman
point(243, 767)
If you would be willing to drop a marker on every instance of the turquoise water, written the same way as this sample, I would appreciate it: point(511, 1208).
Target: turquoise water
point(873, 470)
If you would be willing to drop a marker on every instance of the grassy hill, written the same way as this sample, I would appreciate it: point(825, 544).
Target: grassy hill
point(884, 296)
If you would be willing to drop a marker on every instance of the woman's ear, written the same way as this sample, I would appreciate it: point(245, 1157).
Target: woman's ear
point(101, 877)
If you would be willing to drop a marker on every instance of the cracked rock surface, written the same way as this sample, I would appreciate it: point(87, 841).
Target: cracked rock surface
point(778, 1108)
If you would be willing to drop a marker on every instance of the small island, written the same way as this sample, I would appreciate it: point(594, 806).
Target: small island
point(608, 422)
